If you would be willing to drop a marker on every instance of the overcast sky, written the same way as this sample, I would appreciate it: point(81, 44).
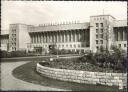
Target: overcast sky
point(39, 12)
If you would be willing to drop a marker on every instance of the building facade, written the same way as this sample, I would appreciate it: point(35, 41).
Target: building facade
point(18, 37)
point(102, 30)
point(4, 42)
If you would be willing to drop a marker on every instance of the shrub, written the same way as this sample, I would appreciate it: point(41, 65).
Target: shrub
point(106, 59)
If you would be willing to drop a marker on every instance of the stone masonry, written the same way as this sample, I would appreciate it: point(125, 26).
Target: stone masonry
point(87, 77)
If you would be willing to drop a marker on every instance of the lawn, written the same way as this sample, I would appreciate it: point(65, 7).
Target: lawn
point(27, 72)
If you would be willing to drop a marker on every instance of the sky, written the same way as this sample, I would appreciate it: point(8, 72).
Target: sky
point(40, 12)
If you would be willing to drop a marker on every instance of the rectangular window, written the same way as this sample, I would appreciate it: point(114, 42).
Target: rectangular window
point(101, 30)
point(71, 46)
point(101, 41)
point(101, 36)
point(119, 45)
point(101, 24)
point(97, 25)
point(78, 45)
point(96, 30)
point(97, 36)
point(74, 46)
point(67, 45)
point(124, 45)
point(97, 47)
point(96, 41)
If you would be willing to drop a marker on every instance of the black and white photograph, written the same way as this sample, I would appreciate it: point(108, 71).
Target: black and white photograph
point(63, 46)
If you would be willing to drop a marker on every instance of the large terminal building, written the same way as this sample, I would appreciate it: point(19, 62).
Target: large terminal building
point(102, 30)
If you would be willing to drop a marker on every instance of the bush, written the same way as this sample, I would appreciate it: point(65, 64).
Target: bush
point(5, 54)
point(106, 59)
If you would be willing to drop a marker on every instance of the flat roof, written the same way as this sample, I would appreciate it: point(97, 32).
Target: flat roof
point(61, 27)
point(120, 23)
point(103, 15)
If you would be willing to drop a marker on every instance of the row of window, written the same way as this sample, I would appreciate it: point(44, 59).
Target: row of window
point(98, 47)
point(99, 31)
point(4, 41)
point(13, 35)
point(13, 48)
point(99, 36)
point(14, 30)
point(13, 39)
point(101, 18)
point(71, 46)
point(99, 24)
point(99, 41)
point(13, 43)
point(121, 45)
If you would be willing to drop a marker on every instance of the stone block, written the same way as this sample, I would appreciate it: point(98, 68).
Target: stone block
point(116, 78)
point(95, 80)
point(102, 80)
point(102, 83)
point(88, 76)
point(109, 84)
point(115, 83)
point(115, 74)
point(100, 74)
point(108, 74)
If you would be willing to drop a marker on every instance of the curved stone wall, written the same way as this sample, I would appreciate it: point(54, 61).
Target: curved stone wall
point(87, 77)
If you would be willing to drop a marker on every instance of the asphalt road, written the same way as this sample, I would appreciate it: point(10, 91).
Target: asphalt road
point(9, 82)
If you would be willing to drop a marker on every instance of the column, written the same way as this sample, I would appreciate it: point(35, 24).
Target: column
point(60, 36)
point(42, 37)
point(84, 33)
point(119, 35)
point(45, 37)
point(71, 36)
point(64, 36)
point(39, 37)
point(32, 38)
point(36, 37)
point(55, 37)
point(79, 35)
point(116, 35)
point(123, 35)
point(75, 35)
point(67, 36)
point(50, 36)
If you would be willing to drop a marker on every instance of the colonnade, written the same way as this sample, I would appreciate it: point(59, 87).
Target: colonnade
point(60, 36)
point(120, 34)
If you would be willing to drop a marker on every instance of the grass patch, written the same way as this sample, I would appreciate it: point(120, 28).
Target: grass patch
point(28, 73)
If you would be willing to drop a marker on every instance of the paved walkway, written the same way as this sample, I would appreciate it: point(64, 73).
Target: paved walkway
point(9, 82)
